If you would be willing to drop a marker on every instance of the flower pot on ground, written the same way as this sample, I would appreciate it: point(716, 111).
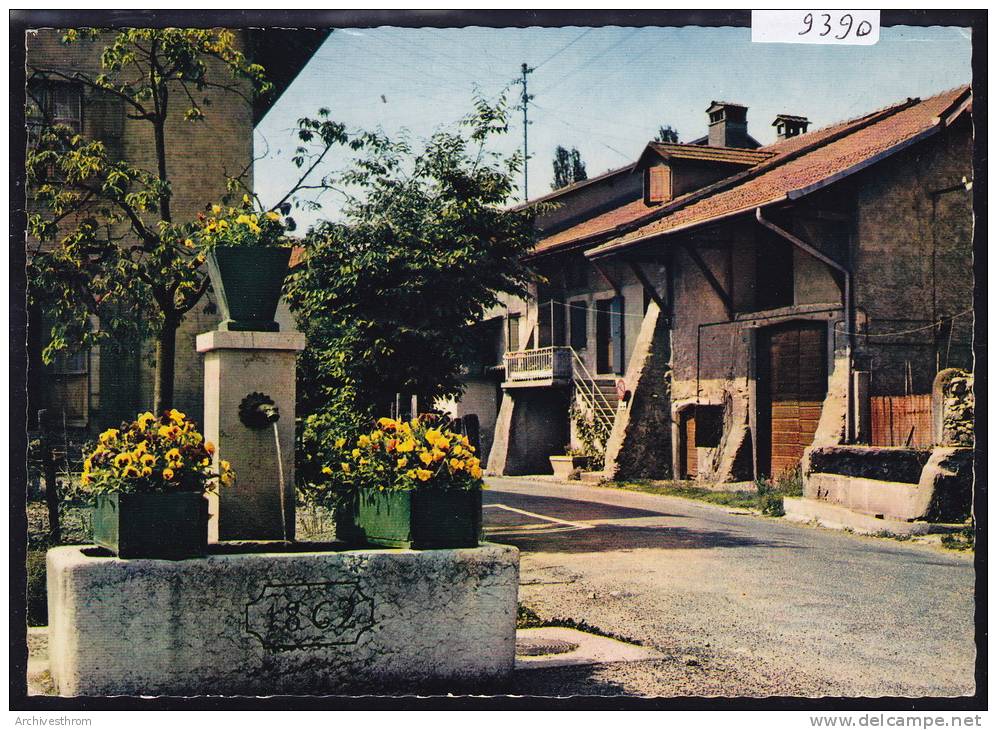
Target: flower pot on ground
point(563, 466)
point(412, 485)
point(247, 255)
point(148, 479)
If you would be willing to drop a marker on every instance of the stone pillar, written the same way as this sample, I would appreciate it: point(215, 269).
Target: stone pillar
point(235, 365)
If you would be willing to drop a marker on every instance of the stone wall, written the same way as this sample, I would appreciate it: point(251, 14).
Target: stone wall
point(640, 445)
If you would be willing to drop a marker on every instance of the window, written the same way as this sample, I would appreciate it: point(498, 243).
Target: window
point(578, 318)
point(512, 333)
point(550, 324)
point(773, 272)
point(54, 103)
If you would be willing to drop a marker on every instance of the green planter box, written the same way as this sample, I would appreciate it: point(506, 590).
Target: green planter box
point(248, 283)
point(423, 520)
point(167, 526)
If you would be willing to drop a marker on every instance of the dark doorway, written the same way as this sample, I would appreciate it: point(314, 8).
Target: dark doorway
point(791, 386)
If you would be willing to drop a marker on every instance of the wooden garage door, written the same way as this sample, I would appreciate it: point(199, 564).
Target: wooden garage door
point(796, 375)
point(689, 455)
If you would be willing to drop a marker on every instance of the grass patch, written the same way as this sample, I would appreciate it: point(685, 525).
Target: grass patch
point(527, 618)
point(765, 498)
point(742, 498)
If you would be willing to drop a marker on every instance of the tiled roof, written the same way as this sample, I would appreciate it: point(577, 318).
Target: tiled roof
point(794, 165)
point(829, 154)
point(735, 155)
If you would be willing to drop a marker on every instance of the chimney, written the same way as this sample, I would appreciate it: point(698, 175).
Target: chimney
point(790, 125)
point(728, 125)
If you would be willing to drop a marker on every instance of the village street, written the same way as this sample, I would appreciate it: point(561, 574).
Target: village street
point(739, 604)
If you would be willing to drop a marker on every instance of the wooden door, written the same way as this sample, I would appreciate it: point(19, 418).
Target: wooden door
point(792, 384)
point(687, 453)
point(603, 337)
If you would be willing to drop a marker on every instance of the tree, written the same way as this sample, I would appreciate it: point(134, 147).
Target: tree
point(667, 134)
point(108, 245)
point(568, 168)
point(387, 296)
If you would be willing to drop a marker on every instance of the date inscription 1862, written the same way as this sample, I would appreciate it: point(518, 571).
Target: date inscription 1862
point(309, 615)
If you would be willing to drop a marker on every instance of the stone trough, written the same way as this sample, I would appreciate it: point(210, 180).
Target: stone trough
point(266, 623)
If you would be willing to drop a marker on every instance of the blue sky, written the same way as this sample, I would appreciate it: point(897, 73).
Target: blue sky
point(603, 90)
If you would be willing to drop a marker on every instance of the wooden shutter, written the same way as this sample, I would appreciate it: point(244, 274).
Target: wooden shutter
point(659, 184)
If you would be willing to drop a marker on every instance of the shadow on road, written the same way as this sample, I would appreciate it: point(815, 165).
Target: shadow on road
point(553, 525)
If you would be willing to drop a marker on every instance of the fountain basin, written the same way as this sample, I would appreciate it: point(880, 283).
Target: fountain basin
point(282, 621)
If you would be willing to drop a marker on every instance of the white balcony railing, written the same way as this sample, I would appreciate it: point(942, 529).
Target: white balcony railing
point(545, 363)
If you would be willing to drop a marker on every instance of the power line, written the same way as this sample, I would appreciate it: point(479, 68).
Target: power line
point(563, 48)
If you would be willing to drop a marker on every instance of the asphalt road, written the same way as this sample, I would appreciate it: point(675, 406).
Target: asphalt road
point(741, 605)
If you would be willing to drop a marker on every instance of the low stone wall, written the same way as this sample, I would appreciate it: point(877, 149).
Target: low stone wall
point(362, 621)
point(902, 484)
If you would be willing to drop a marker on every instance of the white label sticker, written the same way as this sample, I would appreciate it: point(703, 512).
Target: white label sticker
point(842, 27)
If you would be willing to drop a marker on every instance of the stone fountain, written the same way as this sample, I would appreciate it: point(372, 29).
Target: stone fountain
point(262, 614)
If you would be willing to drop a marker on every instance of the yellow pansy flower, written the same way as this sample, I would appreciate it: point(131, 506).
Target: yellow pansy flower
point(346, 467)
point(173, 454)
point(426, 458)
point(132, 472)
point(145, 419)
point(456, 464)
point(272, 216)
point(168, 474)
point(176, 416)
point(402, 462)
point(432, 436)
point(122, 460)
point(364, 440)
point(146, 471)
point(406, 446)
point(340, 443)
point(355, 453)
point(437, 455)
point(423, 474)
point(109, 435)
point(148, 459)
point(225, 465)
point(326, 470)
point(216, 209)
point(209, 447)
point(476, 472)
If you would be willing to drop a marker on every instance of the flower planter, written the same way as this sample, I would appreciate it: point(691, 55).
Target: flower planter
point(420, 519)
point(167, 526)
point(347, 528)
point(248, 283)
point(563, 466)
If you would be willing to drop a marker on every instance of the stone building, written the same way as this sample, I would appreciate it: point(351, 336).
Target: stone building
point(89, 391)
point(752, 304)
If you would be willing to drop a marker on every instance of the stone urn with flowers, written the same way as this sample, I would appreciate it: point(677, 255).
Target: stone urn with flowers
point(148, 479)
point(247, 253)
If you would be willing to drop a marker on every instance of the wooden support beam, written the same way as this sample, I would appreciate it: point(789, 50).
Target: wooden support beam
point(649, 287)
point(711, 279)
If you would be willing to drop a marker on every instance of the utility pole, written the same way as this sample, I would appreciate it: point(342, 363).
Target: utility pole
point(524, 105)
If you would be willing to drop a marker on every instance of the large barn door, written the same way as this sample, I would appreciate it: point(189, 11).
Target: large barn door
point(792, 384)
